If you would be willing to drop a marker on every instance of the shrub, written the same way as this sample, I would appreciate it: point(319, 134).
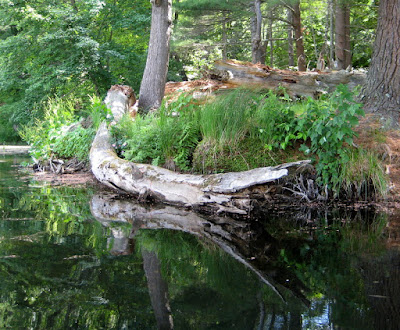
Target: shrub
point(329, 127)
point(75, 143)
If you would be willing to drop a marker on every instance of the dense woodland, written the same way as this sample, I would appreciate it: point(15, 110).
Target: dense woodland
point(71, 49)
point(58, 59)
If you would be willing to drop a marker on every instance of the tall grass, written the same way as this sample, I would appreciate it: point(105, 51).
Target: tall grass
point(226, 120)
point(362, 176)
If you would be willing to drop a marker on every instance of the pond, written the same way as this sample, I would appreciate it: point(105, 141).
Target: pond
point(79, 258)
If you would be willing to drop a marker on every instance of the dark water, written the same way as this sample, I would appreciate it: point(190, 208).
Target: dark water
point(74, 258)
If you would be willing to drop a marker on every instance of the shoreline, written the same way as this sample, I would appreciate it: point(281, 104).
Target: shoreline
point(13, 149)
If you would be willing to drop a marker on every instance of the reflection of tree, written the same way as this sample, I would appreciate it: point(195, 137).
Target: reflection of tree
point(158, 290)
point(319, 264)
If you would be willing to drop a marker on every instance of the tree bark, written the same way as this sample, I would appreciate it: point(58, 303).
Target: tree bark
point(153, 83)
point(290, 38)
point(382, 92)
point(298, 33)
point(342, 31)
point(257, 46)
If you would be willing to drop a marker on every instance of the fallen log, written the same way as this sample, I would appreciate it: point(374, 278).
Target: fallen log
point(296, 84)
point(225, 191)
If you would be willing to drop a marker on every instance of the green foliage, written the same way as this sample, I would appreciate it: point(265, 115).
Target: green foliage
point(60, 132)
point(97, 112)
point(167, 138)
point(75, 143)
point(50, 49)
point(276, 122)
point(363, 175)
point(225, 120)
point(42, 134)
point(329, 127)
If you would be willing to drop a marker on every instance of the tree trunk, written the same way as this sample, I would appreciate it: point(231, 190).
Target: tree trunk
point(225, 192)
point(153, 83)
point(298, 33)
point(382, 92)
point(342, 31)
point(224, 39)
point(271, 43)
point(290, 38)
point(257, 50)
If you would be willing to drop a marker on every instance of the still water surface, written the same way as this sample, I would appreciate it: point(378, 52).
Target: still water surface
point(74, 258)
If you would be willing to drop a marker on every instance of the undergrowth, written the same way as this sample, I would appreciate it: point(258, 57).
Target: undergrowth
point(244, 129)
point(61, 133)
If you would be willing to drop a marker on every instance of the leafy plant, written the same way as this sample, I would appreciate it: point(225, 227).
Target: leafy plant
point(329, 127)
point(43, 133)
point(75, 143)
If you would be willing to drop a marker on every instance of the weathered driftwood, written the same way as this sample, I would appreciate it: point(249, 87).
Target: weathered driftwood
point(226, 191)
point(297, 84)
point(247, 242)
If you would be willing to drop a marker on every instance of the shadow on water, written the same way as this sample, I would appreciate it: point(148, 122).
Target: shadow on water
point(74, 258)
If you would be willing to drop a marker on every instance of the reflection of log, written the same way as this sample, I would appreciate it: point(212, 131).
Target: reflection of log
point(297, 84)
point(247, 242)
point(227, 192)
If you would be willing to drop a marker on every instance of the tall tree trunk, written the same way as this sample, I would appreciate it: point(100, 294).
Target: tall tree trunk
point(153, 83)
point(342, 31)
point(271, 43)
point(290, 37)
point(224, 38)
point(298, 33)
point(382, 92)
point(332, 35)
point(256, 43)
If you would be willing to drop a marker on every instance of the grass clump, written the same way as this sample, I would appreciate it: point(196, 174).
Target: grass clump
point(363, 175)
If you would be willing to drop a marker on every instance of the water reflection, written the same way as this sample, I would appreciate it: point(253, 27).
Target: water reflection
point(71, 258)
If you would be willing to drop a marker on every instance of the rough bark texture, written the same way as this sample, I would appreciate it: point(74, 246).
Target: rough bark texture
point(382, 92)
point(297, 84)
point(153, 82)
point(257, 46)
point(342, 31)
point(290, 38)
point(298, 34)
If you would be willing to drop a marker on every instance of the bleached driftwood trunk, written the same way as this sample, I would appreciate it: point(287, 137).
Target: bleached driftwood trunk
point(228, 192)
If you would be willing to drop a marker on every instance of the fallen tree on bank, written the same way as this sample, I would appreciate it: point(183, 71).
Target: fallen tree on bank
point(233, 74)
point(229, 192)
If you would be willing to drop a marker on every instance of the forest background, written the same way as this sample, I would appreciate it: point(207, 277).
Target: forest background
point(71, 49)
